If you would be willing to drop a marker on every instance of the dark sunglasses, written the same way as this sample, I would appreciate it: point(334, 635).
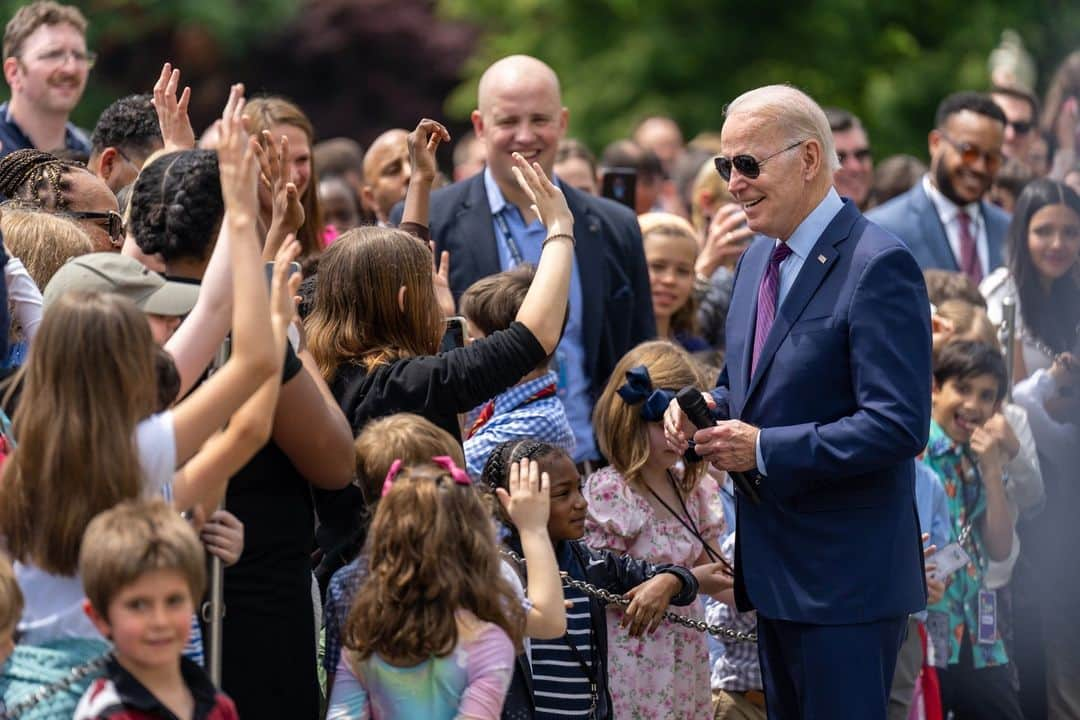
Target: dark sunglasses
point(862, 155)
point(747, 165)
point(114, 222)
point(969, 154)
point(1020, 127)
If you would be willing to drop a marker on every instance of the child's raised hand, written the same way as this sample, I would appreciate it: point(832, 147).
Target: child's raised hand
point(989, 450)
point(423, 142)
point(528, 502)
point(236, 159)
point(440, 277)
point(1002, 432)
point(648, 601)
point(173, 119)
point(284, 286)
point(287, 212)
point(548, 201)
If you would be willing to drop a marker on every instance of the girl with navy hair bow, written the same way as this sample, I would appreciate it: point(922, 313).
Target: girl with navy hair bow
point(651, 505)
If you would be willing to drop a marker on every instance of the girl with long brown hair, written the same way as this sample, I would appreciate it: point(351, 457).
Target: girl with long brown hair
point(434, 630)
point(375, 326)
point(651, 505)
point(86, 424)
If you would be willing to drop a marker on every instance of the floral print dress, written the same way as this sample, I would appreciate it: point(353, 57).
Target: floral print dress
point(666, 674)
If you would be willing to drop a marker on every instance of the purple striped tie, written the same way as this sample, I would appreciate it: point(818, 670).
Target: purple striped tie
point(766, 301)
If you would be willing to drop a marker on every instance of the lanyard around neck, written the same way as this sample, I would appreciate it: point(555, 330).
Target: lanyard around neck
point(508, 238)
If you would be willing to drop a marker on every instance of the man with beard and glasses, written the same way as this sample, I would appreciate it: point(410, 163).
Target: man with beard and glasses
point(46, 64)
point(944, 219)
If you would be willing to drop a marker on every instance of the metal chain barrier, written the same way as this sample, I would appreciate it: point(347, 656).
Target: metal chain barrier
point(722, 631)
point(77, 673)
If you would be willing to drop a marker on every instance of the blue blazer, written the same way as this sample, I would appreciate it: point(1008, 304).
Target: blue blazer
point(617, 312)
point(913, 218)
point(842, 394)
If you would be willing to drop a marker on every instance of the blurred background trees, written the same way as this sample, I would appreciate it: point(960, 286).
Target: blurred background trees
point(361, 66)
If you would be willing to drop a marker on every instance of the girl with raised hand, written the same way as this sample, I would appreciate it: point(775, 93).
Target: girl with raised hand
point(376, 326)
point(87, 435)
point(433, 631)
point(568, 675)
point(651, 505)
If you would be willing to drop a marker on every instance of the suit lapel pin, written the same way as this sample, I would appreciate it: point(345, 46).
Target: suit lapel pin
point(821, 259)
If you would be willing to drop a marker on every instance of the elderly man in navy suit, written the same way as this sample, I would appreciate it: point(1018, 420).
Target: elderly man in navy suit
point(822, 406)
point(487, 225)
point(944, 218)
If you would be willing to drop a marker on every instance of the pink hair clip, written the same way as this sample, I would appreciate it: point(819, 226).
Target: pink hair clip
point(447, 463)
point(388, 483)
point(443, 461)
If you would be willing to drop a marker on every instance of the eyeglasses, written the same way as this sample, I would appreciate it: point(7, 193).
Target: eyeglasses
point(969, 154)
point(59, 55)
point(114, 222)
point(861, 155)
point(1020, 127)
point(747, 165)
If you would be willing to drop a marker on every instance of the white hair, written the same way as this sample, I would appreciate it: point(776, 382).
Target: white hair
point(800, 116)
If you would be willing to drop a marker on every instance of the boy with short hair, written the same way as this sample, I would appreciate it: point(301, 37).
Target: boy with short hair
point(969, 385)
point(530, 410)
point(142, 568)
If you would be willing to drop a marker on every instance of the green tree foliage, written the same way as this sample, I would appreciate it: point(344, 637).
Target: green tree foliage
point(133, 37)
point(890, 61)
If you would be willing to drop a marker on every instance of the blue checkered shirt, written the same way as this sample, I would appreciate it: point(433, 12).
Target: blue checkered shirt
point(344, 585)
point(514, 419)
point(735, 665)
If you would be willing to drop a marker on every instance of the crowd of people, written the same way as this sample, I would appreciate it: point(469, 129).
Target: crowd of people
point(432, 426)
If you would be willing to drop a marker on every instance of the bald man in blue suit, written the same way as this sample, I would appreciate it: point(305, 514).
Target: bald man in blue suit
point(823, 405)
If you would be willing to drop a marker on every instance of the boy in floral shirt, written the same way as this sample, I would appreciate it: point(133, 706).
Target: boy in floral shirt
point(969, 385)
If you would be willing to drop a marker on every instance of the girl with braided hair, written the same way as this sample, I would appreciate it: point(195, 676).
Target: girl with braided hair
point(56, 186)
point(176, 210)
point(570, 674)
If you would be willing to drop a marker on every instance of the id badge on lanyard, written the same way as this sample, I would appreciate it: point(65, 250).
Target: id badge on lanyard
point(988, 632)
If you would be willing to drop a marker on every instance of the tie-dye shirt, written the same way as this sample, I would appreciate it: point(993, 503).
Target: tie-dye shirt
point(472, 681)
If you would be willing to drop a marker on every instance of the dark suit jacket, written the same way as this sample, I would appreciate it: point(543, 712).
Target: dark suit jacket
point(913, 218)
point(842, 394)
point(617, 312)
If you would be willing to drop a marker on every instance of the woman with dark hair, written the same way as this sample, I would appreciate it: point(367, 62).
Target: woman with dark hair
point(176, 210)
point(1043, 275)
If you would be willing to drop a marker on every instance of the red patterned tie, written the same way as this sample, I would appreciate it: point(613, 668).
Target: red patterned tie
point(969, 253)
point(766, 301)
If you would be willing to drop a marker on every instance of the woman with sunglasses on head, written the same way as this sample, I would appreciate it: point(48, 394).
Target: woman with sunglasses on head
point(49, 184)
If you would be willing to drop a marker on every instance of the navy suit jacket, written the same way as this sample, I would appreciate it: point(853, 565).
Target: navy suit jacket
point(841, 393)
point(913, 218)
point(617, 312)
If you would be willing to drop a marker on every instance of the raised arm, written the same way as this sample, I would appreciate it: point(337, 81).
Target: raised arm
point(203, 480)
point(253, 357)
point(528, 504)
point(287, 213)
point(544, 308)
point(311, 429)
point(423, 142)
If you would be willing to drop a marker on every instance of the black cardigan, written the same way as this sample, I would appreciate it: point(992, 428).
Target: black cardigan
point(437, 387)
point(614, 573)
